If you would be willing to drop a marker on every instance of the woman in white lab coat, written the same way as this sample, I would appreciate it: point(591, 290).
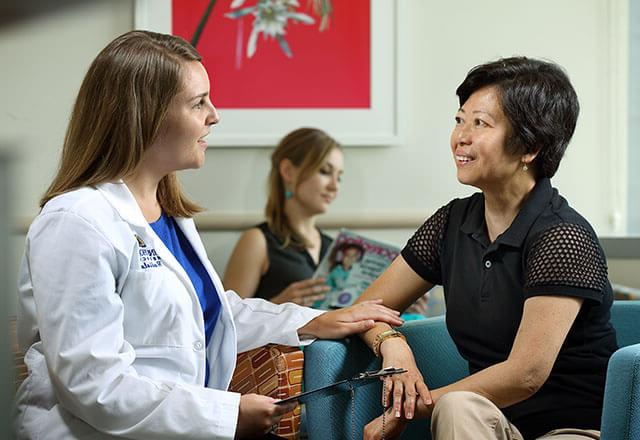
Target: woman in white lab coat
point(127, 329)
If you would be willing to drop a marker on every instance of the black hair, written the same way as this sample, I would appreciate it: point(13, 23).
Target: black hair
point(538, 100)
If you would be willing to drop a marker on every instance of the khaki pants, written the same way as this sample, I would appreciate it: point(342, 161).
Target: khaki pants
point(463, 415)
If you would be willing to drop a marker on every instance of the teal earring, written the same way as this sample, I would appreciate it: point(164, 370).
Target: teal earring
point(288, 194)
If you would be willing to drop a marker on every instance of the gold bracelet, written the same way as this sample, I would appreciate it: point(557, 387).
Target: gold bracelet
point(381, 337)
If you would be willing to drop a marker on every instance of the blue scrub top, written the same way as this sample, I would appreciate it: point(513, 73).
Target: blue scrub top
point(173, 237)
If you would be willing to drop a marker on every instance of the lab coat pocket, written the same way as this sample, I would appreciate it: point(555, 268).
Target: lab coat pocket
point(157, 309)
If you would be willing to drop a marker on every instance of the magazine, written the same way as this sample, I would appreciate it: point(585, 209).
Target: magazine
point(350, 265)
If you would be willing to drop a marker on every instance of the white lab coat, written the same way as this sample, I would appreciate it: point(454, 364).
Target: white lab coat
point(115, 332)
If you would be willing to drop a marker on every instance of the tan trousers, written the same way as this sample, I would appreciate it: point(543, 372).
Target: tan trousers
point(463, 415)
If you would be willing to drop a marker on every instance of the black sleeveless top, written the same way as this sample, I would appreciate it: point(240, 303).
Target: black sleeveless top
point(286, 265)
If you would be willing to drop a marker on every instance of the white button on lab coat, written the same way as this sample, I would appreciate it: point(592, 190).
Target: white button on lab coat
point(115, 332)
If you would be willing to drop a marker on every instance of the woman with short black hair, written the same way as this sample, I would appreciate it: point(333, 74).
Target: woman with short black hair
point(525, 279)
point(539, 102)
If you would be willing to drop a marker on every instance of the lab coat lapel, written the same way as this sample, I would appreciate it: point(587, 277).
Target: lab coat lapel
point(119, 196)
point(122, 200)
point(223, 345)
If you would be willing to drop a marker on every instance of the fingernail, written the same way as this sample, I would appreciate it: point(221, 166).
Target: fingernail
point(409, 415)
point(397, 414)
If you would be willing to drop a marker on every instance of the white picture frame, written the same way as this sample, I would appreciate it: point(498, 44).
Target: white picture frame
point(378, 125)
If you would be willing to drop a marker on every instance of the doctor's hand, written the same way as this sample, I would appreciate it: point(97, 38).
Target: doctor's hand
point(258, 414)
point(358, 318)
point(305, 292)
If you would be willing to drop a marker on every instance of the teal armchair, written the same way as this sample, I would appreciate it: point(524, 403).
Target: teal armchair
point(331, 418)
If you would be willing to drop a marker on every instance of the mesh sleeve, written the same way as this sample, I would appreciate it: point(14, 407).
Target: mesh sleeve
point(424, 248)
point(566, 259)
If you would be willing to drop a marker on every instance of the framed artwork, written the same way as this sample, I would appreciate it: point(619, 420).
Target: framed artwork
point(277, 65)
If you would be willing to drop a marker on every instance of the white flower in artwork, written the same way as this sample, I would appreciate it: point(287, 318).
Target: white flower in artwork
point(270, 19)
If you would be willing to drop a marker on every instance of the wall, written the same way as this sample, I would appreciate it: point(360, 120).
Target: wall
point(44, 62)
point(625, 271)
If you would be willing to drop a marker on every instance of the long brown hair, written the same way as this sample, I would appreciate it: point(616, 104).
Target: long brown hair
point(307, 149)
point(121, 104)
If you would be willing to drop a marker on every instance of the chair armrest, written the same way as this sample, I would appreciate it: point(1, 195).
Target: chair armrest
point(329, 361)
point(621, 413)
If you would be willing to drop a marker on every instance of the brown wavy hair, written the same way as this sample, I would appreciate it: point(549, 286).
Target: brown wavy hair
point(307, 149)
point(122, 102)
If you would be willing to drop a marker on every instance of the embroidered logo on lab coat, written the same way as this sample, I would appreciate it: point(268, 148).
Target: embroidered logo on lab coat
point(149, 258)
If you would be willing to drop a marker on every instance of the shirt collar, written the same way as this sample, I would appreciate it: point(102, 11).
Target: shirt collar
point(121, 198)
point(473, 224)
point(533, 206)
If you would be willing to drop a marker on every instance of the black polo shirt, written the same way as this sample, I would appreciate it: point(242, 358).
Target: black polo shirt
point(549, 249)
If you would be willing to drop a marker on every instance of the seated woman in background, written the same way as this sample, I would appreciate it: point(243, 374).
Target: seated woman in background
point(525, 278)
point(276, 259)
point(127, 329)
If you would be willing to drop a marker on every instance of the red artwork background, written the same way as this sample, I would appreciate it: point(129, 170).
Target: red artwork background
point(329, 69)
